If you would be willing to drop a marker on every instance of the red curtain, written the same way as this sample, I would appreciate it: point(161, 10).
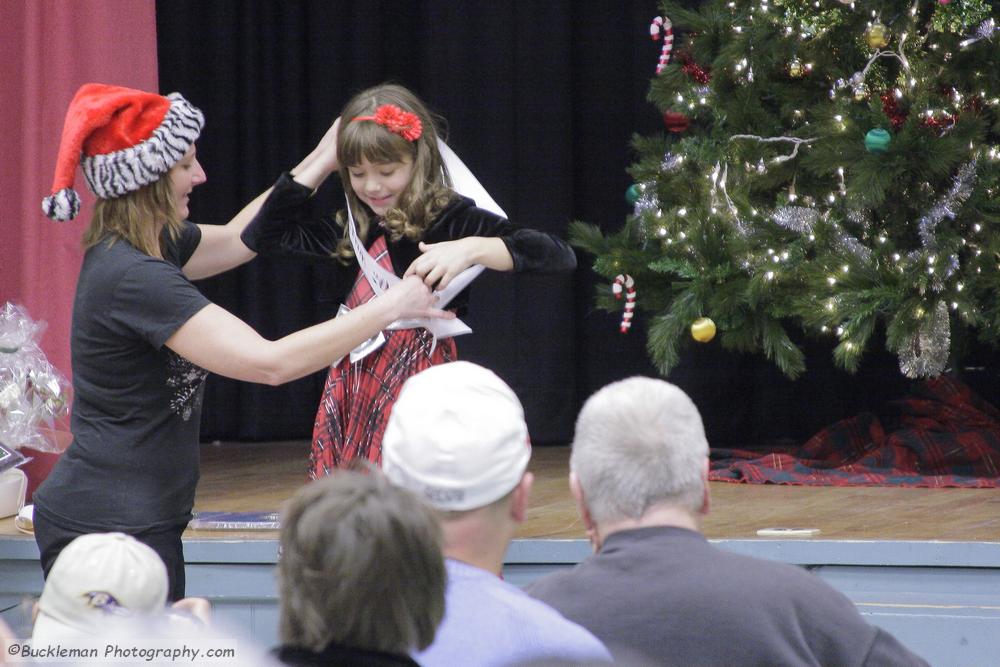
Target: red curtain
point(48, 49)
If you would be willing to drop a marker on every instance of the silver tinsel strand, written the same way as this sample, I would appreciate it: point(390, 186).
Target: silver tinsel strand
point(984, 31)
point(861, 217)
point(926, 353)
point(852, 245)
point(647, 201)
point(796, 218)
point(946, 206)
point(670, 162)
point(802, 219)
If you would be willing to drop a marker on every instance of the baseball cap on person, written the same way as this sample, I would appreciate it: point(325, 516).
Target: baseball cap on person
point(457, 437)
point(98, 578)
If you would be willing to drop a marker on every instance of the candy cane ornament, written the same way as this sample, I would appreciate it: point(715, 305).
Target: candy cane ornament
point(625, 282)
point(663, 24)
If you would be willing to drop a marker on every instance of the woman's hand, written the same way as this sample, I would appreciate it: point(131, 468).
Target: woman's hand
point(410, 298)
point(441, 262)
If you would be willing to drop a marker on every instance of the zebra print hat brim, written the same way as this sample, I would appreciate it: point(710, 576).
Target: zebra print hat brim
point(115, 174)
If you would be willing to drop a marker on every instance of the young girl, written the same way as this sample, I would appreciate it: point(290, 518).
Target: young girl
point(413, 223)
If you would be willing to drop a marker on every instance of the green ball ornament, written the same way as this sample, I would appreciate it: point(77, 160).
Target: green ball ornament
point(877, 140)
point(632, 194)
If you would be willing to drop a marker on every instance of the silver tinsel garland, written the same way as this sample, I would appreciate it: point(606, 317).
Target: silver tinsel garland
point(926, 353)
point(861, 217)
point(648, 200)
point(984, 31)
point(670, 162)
point(799, 219)
point(946, 206)
point(852, 245)
point(803, 219)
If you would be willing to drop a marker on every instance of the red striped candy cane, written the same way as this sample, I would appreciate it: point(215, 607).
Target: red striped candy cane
point(662, 23)
point(629, 287)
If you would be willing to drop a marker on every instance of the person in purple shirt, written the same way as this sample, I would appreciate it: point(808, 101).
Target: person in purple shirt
point(457, 437)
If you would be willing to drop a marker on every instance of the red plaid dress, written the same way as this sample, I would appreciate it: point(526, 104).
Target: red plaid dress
point(358, 396)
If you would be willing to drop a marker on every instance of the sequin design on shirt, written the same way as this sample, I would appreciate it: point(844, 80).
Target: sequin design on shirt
point(186, 379)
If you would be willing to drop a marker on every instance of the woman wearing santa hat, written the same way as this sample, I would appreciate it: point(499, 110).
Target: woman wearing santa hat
point(144, 338)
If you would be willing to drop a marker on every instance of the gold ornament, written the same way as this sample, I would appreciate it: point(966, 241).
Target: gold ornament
point(703, 330)
point(796, 69)
point(859, 93)
point(877, 36)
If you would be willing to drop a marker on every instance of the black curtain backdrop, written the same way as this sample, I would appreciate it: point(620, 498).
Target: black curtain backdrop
point(541, 99)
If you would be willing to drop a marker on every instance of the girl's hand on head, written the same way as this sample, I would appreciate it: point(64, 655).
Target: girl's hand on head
point(441, 262)
point(410, 298)
point(327, 147)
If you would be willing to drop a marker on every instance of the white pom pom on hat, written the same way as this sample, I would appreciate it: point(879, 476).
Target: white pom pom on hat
point(123, 139)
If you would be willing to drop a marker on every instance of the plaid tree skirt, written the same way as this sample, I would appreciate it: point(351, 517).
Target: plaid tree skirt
point(943, 435)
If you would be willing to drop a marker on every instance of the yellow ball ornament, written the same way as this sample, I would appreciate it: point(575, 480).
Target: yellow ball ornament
point(877, 36)
point(796, 69)
point(703, 329)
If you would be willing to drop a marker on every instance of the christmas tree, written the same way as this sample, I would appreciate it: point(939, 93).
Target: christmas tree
point(826, 168)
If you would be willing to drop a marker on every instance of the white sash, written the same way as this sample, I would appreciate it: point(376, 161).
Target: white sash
point(380, 279)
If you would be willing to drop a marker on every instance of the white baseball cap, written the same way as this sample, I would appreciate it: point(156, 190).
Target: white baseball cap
point(97, 579)
point(457, 437)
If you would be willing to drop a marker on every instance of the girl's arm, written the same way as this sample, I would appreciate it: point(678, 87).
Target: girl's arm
point(439, 263)
point(469, 235)
point(221, 343)
point(224, 247)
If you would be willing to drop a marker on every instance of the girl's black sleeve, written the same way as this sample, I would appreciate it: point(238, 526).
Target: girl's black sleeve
point(281, 227)
point(531, 250)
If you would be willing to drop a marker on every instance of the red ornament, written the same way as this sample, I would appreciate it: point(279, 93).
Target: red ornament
point(943, 122)
point(890, 107)
point(675, 121)
point(694, 70)
point(973, 103)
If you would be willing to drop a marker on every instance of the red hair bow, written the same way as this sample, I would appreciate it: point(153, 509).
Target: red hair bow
point(397, 121)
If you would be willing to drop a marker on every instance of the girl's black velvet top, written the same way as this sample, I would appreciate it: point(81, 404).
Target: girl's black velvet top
point(282, 228)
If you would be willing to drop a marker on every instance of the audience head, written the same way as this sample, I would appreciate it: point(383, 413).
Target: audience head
point(360, 566)
point(638, 443)
point(457, 437)
point(97, 579)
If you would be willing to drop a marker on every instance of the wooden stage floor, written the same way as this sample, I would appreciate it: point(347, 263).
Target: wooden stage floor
point(260, 477)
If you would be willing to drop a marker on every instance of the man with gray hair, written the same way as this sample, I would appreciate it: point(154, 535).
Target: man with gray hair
point(457, 437)
point(639, 474)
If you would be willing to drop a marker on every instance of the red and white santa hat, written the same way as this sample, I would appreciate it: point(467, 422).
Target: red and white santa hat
point(123, 138)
